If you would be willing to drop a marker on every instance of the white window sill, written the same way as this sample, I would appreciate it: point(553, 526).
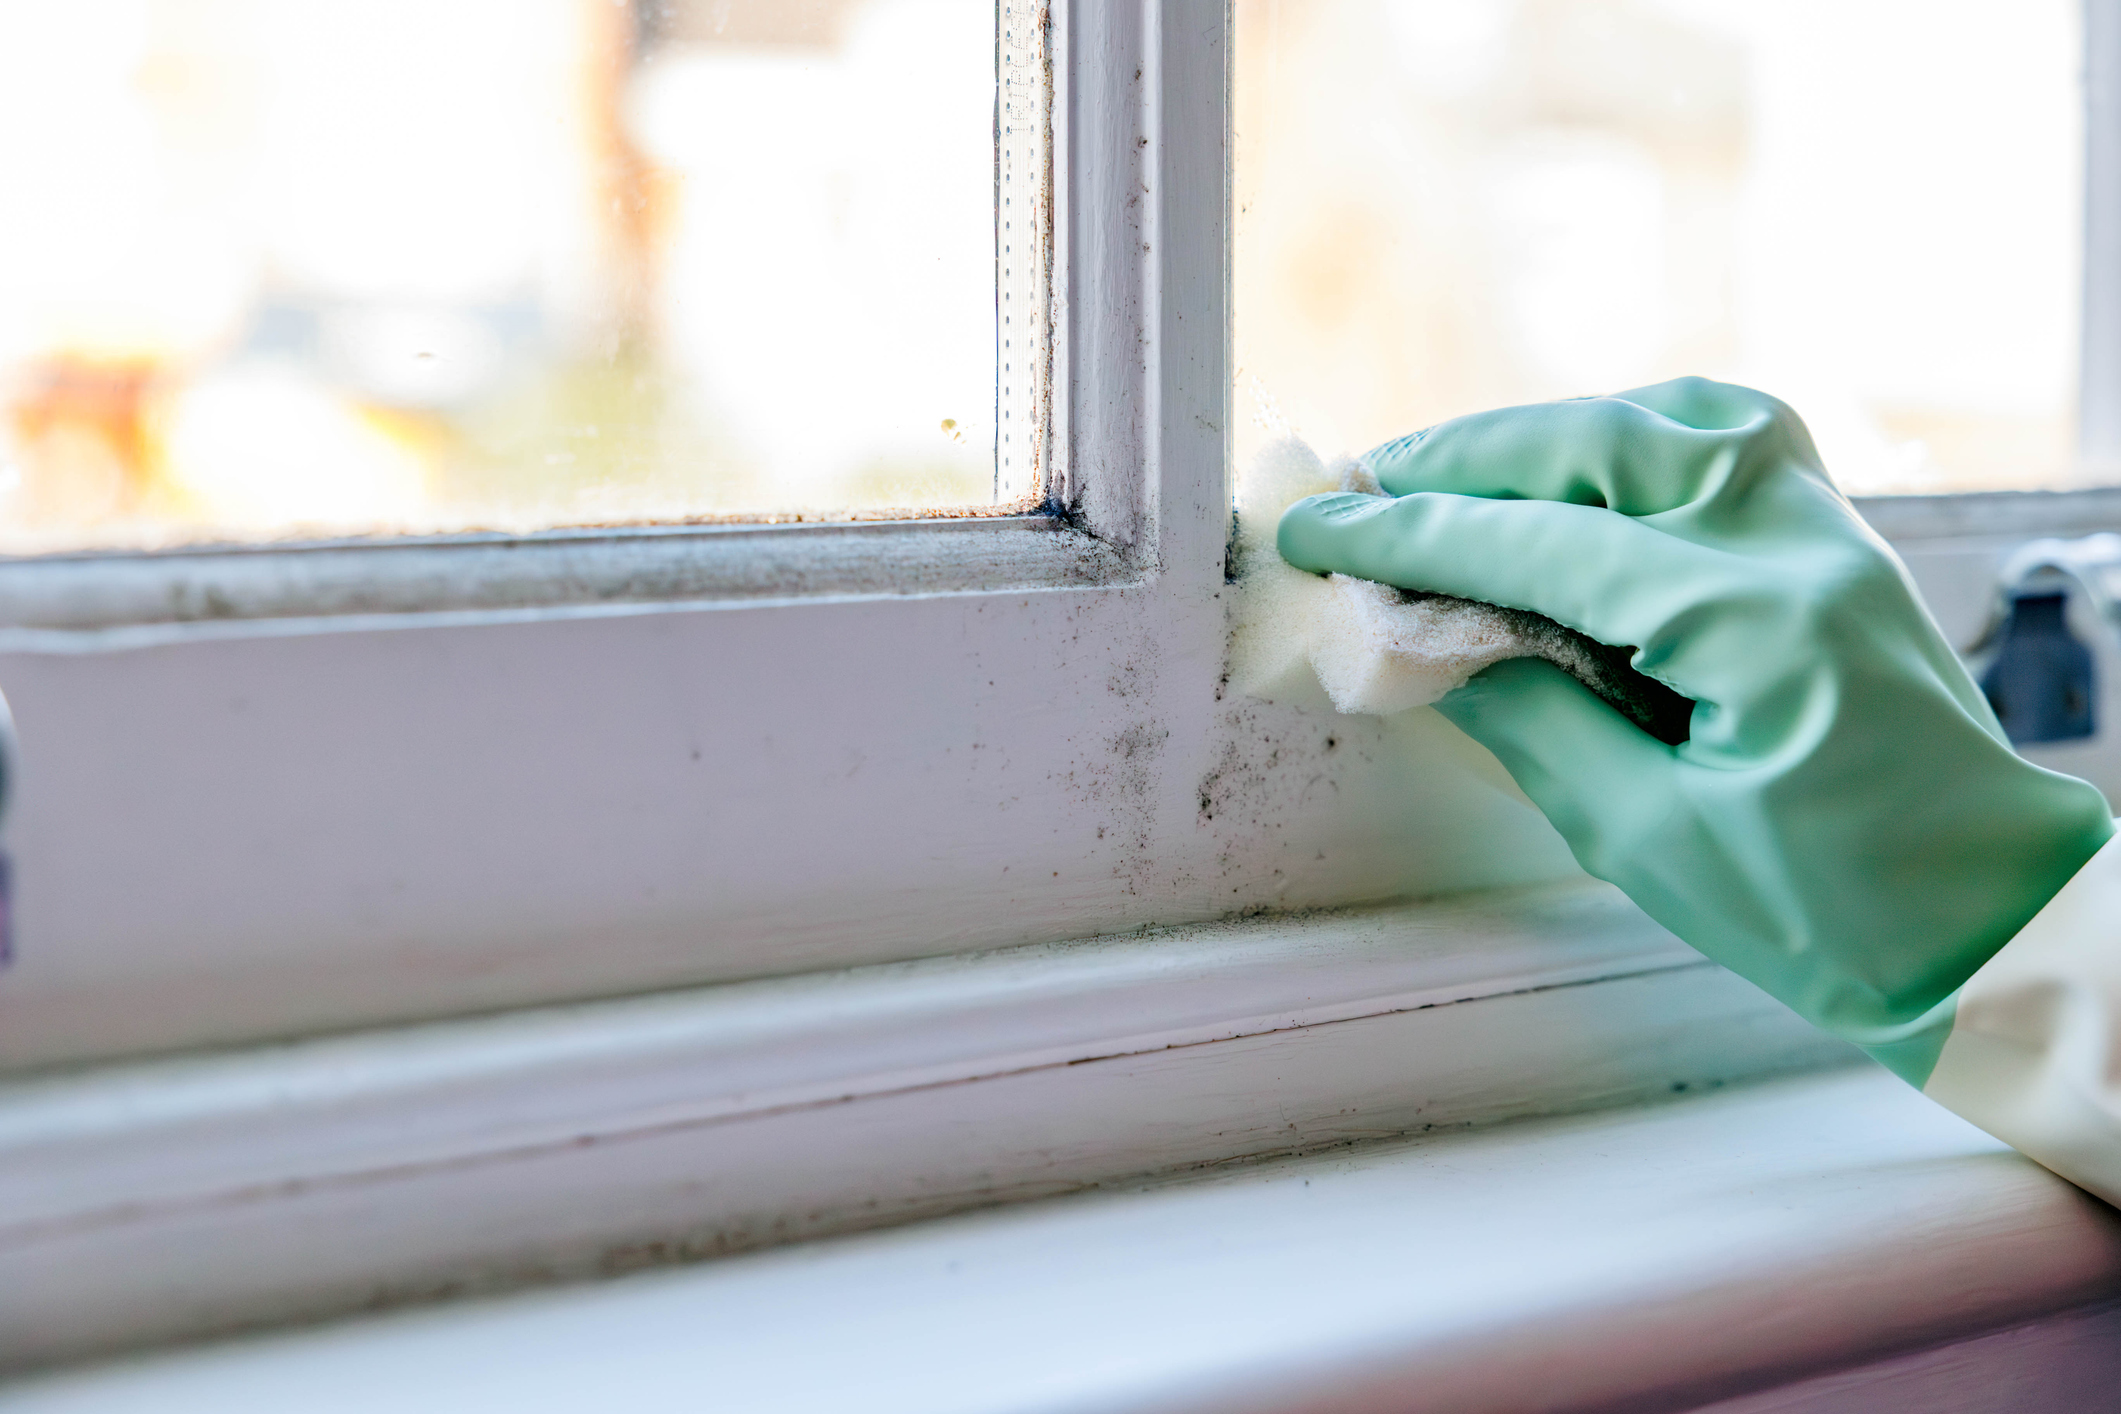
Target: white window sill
point(1654, 1259)
point(158, 1201)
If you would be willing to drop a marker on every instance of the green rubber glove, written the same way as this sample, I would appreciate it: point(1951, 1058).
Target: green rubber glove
point(1846, 825)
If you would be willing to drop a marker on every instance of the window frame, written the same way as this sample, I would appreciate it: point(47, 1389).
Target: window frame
point(734, 752)
point(1095, 525)
point(1064, 540)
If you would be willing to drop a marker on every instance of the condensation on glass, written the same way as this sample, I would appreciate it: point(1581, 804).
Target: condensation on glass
point(279, 271)
point(1869, 208)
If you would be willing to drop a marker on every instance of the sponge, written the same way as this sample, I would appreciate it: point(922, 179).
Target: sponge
point(1377, 650)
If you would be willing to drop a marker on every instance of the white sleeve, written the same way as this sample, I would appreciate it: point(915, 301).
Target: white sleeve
point(2034, 1055)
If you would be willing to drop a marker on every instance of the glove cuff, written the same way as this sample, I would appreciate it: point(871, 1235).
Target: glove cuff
point(2033, 1054)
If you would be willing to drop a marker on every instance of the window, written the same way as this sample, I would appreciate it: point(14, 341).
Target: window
point(337, 269)
point(1454, 204)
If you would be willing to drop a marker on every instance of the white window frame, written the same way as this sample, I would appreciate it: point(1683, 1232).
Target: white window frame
point(266, 792)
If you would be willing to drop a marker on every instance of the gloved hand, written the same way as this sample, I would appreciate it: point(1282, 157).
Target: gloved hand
point(1846, 824)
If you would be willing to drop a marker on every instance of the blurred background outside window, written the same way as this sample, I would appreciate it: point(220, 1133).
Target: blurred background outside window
point(1870, 208)
point(296, 268)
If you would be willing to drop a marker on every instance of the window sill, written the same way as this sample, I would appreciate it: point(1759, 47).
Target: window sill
point(1652, 1259)
point(159, 1201)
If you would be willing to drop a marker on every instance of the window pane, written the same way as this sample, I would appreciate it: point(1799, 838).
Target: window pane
point(1870, 208)
point(275, 268)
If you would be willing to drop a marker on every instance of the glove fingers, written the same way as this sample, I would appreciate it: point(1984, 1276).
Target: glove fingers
point(1615, 452)
point(1604, 783)
point(1618, 580)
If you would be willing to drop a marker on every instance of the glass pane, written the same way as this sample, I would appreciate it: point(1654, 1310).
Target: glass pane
point(1870, 208)
point(299, 268)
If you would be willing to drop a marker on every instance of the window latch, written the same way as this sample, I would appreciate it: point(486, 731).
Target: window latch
point(2040, 677)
